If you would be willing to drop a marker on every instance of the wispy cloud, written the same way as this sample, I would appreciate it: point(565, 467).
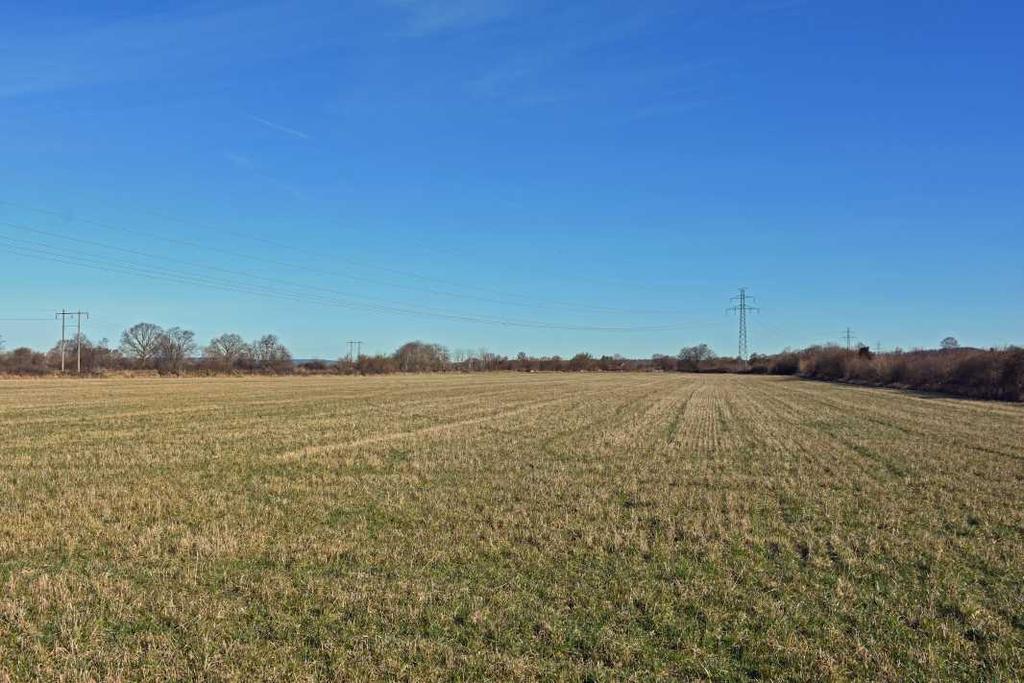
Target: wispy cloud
point(207, 38)
point(280, 128)
point(171, 44)
point(425, 17)
point(583, 33)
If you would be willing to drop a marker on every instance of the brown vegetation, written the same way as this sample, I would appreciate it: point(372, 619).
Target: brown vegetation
point(976, 373)
point(514, 526)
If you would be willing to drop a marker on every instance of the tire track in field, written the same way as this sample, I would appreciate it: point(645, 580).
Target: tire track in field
point(672, 435)
point(797, 444)
point(223, 400)
point(698, 427)
point(612, 422)
point(438, 428)
point(200, 416)
point(891, 459)
point(422, 431)
point(915, 411)
point(871, 412)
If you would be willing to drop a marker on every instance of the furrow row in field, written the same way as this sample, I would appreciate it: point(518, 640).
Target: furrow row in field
point(433, 429)
point(85, 397)
point(634, 527)
point(939, 419)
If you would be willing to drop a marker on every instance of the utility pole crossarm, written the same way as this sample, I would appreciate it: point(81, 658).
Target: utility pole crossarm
point(355, 350)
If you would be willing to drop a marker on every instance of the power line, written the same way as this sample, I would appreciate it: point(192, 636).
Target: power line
point(306, 268)
point(742, 308)
point(135, 252)
point(191, 264)
point(156, 273)
point(54, 254)
point(422, 245)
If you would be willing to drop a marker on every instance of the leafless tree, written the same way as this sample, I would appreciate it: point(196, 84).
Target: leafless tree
point(268, 352)
point(227, 350)
point(949, 343)
point(140, 342)
point(660, 361)
point(418, 356)
point(581, 362)
point(691, 357)
point(95, 355)
point(175, 348)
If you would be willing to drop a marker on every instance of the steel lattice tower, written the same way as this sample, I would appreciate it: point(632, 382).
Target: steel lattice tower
point(741, 308)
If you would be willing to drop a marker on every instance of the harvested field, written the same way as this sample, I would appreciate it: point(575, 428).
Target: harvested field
point(506, 526)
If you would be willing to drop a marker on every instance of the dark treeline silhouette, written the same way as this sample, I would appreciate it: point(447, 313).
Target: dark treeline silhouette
point(990, 374)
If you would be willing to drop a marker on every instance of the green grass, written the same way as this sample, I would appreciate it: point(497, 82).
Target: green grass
point(581, 527)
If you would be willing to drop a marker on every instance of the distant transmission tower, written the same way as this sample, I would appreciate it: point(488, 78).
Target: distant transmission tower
point(848, 336)
point(742, 307)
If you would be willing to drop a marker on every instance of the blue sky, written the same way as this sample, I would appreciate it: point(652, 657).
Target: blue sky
point(515, 175)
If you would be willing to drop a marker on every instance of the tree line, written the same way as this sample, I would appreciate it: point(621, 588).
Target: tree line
point(975, 373)
point(146, 346)
point(418, 356)
point(978, 373)
point(175, 350)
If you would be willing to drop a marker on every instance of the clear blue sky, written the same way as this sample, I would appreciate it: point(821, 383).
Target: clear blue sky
point(575, 165)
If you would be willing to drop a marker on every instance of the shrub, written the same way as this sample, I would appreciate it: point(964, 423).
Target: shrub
point(785, 363)
point(976, 373)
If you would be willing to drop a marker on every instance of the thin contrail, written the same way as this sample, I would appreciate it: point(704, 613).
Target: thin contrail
point(283, 129)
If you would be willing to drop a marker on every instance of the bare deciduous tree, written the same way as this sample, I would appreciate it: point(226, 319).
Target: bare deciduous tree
point(418, 356)
point(268, 352)
point(950, 343)
point(175, 348)
point(227, 350)
point(690, 357)
point(141, 341)
point(581, 362)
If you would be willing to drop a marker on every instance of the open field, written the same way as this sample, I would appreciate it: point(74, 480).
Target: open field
point(507, 526)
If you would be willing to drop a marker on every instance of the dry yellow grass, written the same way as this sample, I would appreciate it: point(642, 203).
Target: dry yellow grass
point(507, 527)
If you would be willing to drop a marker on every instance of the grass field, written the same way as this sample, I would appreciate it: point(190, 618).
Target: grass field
point(500, 526)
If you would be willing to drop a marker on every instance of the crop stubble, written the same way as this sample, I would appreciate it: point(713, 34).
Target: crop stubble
point(507, 526)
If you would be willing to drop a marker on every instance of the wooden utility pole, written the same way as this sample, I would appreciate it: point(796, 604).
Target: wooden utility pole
point(353, 353)
point(78, 337)
point(63, 315)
